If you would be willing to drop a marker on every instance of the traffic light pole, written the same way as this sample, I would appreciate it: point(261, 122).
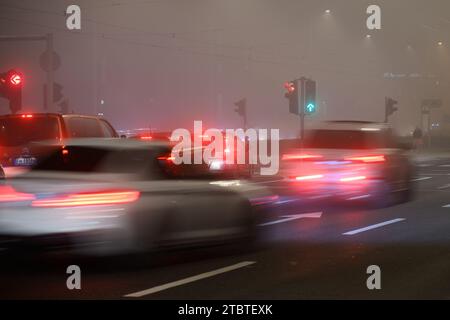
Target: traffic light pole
point(48, 38)
point(302, 110)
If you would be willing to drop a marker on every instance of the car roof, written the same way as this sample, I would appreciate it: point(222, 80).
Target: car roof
point(351, 125)
point(50, 114)
point(114, 143)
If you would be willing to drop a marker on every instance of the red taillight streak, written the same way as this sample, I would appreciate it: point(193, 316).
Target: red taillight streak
point(350, 179)
point(146, 138)
point(301, 157)
point(89, 199)
point(8, 194)
point(368, 159)
point(27, 116)
point(166, 158)
point(311, 177)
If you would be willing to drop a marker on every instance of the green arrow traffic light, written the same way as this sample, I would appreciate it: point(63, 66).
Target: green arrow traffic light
point(310, 108)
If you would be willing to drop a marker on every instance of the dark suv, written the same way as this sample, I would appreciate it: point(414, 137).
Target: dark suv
point(20, 134)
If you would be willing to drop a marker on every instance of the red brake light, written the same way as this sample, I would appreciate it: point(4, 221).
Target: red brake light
point(89, 199)
point(9, 194)
point(311, 177)
point(368, 159)
point(301, 156)
point(27, 116)
point(146, 137)
point(166, 158)
point(351, 179)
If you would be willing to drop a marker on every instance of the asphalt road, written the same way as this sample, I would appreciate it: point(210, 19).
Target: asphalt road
point(312, 251)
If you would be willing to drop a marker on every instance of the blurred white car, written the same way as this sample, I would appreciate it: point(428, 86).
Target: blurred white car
point(109, 196)
point(350, 160)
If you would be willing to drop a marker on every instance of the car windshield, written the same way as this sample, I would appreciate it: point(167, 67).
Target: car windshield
point(346, 139)
point(17, 131)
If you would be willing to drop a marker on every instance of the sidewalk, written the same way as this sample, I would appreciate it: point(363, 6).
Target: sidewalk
point(425, 155)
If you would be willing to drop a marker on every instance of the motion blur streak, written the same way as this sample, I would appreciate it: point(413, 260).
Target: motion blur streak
point(89, 199)
point(8, 194)
point(301, 156)
point(368, 159)
point(350, 179)
point(312, 177)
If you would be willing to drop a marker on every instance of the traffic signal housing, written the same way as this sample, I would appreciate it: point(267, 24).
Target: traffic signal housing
point(310, 96)
point(390, 107)
point(292, 94)
point(11, 84)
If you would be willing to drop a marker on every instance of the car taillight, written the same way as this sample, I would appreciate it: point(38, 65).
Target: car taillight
point(166, 158)
point(9, 194)
point(310, 177)
point(368, 159)
point(351, 179)
point(301, 157)
point(89, 199)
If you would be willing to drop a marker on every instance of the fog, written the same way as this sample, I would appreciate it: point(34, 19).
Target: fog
point(163, 64)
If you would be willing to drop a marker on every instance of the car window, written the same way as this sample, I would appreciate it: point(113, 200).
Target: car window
point(347, 139)
point(79, 127)
point(17, 131)
point(108, 131)
point(80, 159)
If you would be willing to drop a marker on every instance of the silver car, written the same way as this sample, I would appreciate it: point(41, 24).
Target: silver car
point(350, 160)
point(110, 196)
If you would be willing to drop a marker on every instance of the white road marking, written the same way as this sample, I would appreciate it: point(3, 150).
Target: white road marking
point(445, 165)
point(293, 217)
point(374, 226)
point(446, 206)
point(189, 280)
point(422, 178)
point(424, 165)
point(444, 187)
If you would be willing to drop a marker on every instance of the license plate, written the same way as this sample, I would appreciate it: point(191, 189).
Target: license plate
point(25, 161)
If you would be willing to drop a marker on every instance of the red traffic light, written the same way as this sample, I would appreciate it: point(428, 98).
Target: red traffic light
point(15, 79)
point(290, 87)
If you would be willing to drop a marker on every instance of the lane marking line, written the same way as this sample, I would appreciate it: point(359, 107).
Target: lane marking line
point(446, 206)
point(421, 179)
point(374, 226)
point(293, 217)
point(189, 279)
point(444, 187)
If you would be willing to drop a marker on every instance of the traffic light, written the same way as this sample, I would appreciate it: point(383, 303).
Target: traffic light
point(389, 107)
point(242, 110)
point(11, 83)
point(292, 95)
point(310, 96)
point(241, 107)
